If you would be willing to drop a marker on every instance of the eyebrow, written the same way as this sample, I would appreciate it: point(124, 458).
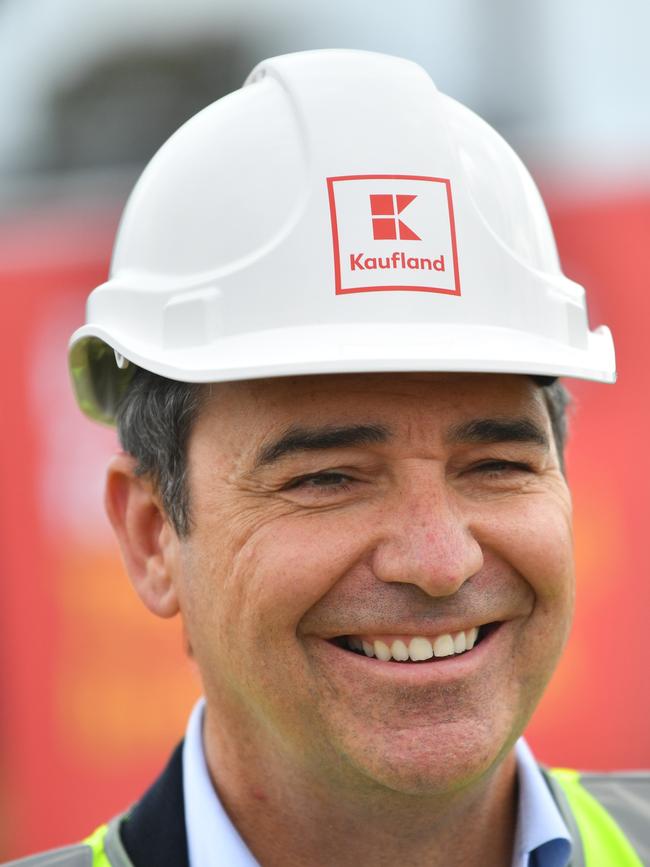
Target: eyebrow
point(300, 439)
point(499, 430)
point(482, 430)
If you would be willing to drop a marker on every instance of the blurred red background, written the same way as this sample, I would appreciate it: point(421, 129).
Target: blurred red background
point(95, 691)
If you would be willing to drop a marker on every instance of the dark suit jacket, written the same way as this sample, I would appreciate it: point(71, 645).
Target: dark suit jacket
point(153, 833)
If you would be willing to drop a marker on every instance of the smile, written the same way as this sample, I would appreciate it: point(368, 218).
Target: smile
point(416, 648)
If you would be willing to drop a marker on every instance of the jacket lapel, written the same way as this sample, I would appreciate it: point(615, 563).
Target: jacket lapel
point(153, 832)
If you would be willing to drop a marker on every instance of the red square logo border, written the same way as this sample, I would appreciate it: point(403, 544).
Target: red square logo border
point(340, 290)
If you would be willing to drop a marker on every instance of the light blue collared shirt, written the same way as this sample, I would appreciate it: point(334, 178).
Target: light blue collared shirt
point(541, 838)
point(540, 827)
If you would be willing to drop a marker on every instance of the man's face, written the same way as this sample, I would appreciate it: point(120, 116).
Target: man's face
point(334, 510)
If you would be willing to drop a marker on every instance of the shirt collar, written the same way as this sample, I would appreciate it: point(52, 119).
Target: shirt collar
point(213, 840)
point(540, 827)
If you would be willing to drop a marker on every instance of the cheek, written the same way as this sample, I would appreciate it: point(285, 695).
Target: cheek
point(537, 531)
point(252, 589)
point(290, 564)
point(535, 538)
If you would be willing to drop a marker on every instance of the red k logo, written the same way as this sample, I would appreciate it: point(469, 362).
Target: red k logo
point(386, 225)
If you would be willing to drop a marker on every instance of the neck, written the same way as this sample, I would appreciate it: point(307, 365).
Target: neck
point(289, 817)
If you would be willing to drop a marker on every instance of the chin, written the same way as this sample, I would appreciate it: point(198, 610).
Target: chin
point(431, 760)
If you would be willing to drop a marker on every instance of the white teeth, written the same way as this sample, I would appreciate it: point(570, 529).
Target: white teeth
point(419, 649)
point(382, 651)
point(443, 645)
point(400, 651)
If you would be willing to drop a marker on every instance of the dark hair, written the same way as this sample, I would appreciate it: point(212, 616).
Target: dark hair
point(558, 401)
point(155, 417)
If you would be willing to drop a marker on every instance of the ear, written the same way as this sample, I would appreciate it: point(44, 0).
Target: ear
point(148, 542)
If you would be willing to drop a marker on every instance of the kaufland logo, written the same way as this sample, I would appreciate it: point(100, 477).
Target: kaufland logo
point(393, 232)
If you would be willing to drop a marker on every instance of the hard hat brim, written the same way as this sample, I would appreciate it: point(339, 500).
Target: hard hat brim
point(331, 349)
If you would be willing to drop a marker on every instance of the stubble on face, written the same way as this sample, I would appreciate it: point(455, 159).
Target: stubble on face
point(285, 558)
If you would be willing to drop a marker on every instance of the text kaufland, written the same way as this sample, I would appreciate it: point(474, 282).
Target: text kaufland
point(361, 262)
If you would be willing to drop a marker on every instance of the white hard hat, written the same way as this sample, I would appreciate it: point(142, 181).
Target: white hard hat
point(337, 214)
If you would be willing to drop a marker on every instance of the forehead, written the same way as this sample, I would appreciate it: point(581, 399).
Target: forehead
point(247, 412)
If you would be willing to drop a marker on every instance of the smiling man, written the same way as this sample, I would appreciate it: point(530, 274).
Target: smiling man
point(349, 483)
point(376, 586)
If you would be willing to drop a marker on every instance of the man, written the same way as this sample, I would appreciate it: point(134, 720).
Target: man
point(331, 343)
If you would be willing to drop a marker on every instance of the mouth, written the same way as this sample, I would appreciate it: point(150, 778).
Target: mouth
point(416, 649)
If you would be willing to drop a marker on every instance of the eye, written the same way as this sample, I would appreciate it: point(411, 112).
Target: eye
point(495, 468)
point(320, 481)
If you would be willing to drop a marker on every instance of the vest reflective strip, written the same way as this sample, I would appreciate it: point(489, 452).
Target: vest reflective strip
point(96, 843)
point(603, 841)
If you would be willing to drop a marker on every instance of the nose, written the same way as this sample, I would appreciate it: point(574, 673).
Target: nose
point(425, 538)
